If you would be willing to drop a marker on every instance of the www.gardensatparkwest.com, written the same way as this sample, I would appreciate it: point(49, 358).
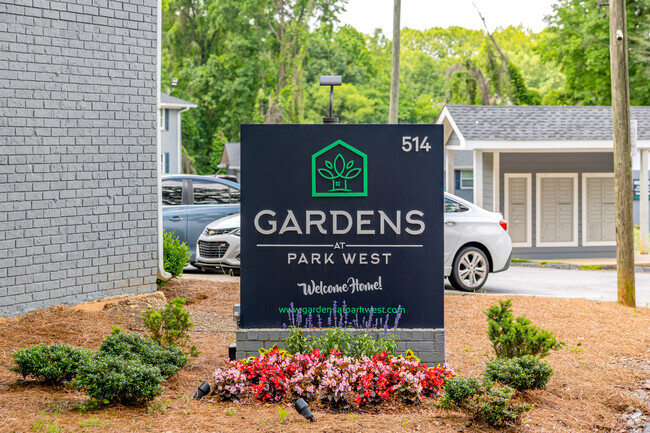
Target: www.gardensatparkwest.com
point(339, 310)
point(352, 285)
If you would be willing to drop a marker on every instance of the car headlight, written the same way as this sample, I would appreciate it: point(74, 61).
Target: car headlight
point(212, 232)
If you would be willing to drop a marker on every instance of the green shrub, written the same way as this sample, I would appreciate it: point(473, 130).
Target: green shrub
point(458, 391)
point(526, 372)
point(168, 359)
point(515, 337)
point(55, 363)
point(483, 402)
point(175, 255)
point(496, 408)
point(171, 326)
point(349, 342)
point(115, 379)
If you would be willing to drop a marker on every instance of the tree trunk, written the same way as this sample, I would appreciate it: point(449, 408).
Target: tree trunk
point(622, 147)
point(393, 108)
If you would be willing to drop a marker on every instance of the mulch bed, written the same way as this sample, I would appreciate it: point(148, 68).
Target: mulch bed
point(603, 370)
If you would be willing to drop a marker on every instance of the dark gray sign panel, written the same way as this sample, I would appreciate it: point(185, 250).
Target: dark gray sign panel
point(342, 214)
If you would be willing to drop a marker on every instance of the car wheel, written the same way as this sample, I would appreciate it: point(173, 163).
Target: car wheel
point(470, 270)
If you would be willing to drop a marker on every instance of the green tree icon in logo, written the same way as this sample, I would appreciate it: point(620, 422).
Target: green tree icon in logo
point(339, 170)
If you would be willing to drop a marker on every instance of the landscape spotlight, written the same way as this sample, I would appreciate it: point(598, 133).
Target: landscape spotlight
point(204, 389)
point(331, 80)
point(303, 409)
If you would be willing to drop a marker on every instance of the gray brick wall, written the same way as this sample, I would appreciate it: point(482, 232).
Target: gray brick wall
point(78, 83)
point(428, 344)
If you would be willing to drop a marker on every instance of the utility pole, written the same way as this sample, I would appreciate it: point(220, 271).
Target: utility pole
point(622, 149)
point(393, 107)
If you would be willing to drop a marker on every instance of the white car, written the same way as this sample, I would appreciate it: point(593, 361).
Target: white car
point(476, 243)
point(219, 244)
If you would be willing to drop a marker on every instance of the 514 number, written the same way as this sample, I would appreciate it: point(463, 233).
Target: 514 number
point(414, 144)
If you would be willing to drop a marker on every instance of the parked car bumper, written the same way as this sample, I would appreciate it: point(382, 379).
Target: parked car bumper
point(501, 252)
point(218, 251)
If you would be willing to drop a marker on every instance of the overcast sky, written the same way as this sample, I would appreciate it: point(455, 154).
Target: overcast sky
point(366, 15)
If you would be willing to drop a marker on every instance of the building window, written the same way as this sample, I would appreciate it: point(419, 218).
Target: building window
point(164, 163)
point(164, 119)
point(466, 179)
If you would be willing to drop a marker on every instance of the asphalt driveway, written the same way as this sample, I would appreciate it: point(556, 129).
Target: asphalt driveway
point(561, 283)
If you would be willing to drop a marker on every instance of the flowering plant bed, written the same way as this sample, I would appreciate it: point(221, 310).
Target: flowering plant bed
point(336, 381)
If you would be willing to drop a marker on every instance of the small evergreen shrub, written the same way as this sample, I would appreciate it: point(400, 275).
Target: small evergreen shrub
point(171, 326)
point(483, 402)
point(168, 359)
point(55, 363)
point(496, 408)
point(459, 390)
point(116, 379)
point(175, 255)
point(515, 337)
point(348, 342)
point(526, 372)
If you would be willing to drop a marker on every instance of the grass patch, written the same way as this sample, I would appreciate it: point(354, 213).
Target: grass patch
point(591, 267)
point(520, 261)
point(95, 422)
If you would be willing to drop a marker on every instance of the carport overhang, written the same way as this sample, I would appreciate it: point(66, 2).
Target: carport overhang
point(478, 147)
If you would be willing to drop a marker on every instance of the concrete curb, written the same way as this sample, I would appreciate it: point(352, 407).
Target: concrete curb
point(573, 266)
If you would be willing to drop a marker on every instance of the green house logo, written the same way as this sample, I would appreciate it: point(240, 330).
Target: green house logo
point(339, 170)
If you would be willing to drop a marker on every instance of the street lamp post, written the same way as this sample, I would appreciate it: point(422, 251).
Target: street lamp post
point(331, 80)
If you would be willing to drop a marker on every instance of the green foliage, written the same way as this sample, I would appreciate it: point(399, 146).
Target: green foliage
point(515, 337)
point(526, 372)
point(171, 326)
point(496, 408)
point(125, 380)
point(349, 342)
point(175, 255)
point(296, 342)
point(459, 390)
point(577, 39)
point(168, 359)
point(483, 402)
point(283, 413)
point(55, 363)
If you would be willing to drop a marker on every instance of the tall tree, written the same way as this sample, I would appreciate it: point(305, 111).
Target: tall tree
point(577, 38)
point(288, 22)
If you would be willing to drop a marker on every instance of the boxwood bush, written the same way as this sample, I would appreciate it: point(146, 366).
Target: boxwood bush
point(109, 379)
point(168, 359)
point(526, 372)
point(482, 401)
point(54, 363)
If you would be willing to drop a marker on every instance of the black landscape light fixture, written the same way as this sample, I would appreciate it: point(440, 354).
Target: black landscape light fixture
point(331, 80)
point(204, 389)
point(303, 409)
